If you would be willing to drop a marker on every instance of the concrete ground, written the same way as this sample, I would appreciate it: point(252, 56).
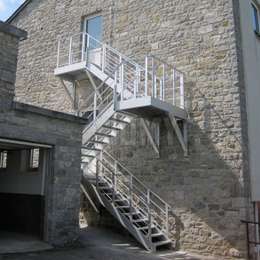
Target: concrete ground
point(101, 244)
point(11, 242)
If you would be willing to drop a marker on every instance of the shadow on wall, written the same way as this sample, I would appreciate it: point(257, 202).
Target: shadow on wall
point(207, 190)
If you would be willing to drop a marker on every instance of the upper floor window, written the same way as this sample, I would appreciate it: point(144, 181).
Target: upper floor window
point(255, 14)
point(3, 159)
point(93, 26)
point(34, 159)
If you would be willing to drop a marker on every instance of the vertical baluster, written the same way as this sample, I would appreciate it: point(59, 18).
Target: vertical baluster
point(83, 47)
point(146, 77)
point(173, 86)
point(167, 219)
point(161, 89)
point(95, 106)
point(87, 48)
point(149, 215)
point(114, 181)
point(163, 84)
point(58, 54)
point(153, 78)
point(70, 51)
point(131, 197)
point(122, 80)
point(182, 91)
point(136, 82)
point(103, 57)
point(115, 90)
point(97, 171)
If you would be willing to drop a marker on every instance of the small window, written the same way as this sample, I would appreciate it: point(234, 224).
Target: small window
point(255, 13)
point(3, 160)
point(34, 159)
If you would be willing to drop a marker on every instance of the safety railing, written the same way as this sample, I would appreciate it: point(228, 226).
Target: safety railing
point(150, 206)
point(156, 78)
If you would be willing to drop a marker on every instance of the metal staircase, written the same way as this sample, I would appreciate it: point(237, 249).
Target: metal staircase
point(123, 89)
point(143, 213)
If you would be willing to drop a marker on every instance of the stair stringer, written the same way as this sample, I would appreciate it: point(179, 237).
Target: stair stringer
point(124, 221)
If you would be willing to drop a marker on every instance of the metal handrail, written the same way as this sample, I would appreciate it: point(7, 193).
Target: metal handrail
point(145, 198)
point(128, 171)
point(139, 80)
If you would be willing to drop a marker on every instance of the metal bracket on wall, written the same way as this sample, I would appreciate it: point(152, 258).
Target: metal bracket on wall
point(181, 134)
point(154, 139)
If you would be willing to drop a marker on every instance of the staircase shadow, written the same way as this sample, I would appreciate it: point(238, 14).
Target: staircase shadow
point(208, 190)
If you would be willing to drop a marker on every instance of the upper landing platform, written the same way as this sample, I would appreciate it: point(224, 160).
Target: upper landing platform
point(151, 90)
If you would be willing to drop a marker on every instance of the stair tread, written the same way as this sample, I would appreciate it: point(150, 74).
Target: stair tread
point(104, 134)
point(88, 155)
point(112, 127)
point(97, 142)
point(161, 243)
point(92, 149)
point(119, 120)
point(140, 220)
point(158, 234)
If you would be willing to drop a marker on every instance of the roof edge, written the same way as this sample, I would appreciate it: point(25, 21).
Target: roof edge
point(12, 30)
point(17, 11)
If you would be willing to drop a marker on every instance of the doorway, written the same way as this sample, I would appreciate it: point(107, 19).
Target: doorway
point(23, 169)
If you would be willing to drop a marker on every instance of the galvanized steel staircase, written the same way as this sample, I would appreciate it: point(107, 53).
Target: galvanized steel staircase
point(122, 83)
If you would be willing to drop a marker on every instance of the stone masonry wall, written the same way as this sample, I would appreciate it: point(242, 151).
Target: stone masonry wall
point(8, 60)
point(61, 131)
point(208, 190)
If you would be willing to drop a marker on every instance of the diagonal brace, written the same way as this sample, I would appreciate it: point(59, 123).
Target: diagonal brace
point(182, 137)
point(96, 89)
point(153, 142)
point(67, 90)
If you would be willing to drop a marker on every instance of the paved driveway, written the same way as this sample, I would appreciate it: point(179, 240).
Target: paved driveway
point(100, 244)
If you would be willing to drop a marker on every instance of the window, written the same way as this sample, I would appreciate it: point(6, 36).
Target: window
point(255, 13)
point(3, 160)
point(93, 26)
point(34, 159)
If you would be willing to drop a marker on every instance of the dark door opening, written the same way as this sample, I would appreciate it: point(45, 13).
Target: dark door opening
point(22, 193)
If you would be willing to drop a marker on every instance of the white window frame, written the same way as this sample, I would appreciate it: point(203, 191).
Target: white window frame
point(31, 158)
point(254, 5)
point(3, 160)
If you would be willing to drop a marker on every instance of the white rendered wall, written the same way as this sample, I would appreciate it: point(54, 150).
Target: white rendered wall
point(251, 58)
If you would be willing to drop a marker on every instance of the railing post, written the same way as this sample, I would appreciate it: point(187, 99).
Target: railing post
point(58, 54)
point(173, 86)
point(167, 219)
point(97, 172)
point(114, 181)
point(103, 57)
point(122, 81)
point(161, 89)
point(95, 106)
point(136, 81)
point(153, 79)
point(182, 105)
point(163, 84)
point(115, 90)
point(149, 215)
point(70, 51)
point(131, 197)
point(83, 49)
point(87, 47)
point(146, 77)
